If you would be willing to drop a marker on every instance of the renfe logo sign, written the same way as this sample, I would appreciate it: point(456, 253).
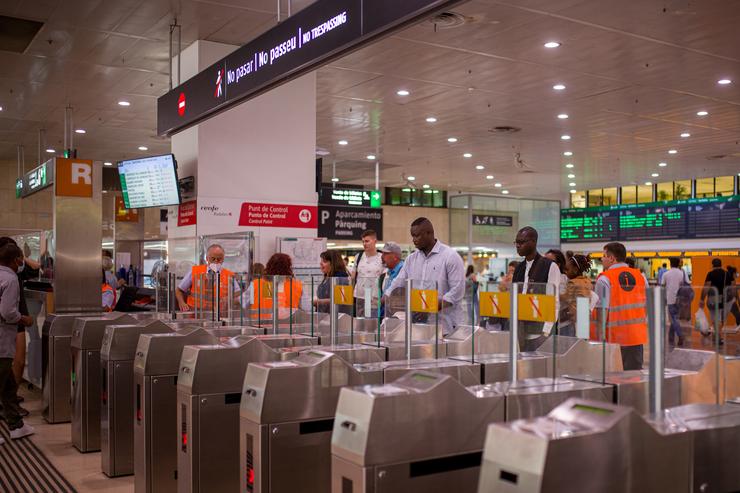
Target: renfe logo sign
point(278, 215)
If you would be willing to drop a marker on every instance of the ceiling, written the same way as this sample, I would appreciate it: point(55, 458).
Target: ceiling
point(635, 73)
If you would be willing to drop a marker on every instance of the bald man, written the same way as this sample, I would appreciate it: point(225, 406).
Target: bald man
point(185, 293)
point(434, 261)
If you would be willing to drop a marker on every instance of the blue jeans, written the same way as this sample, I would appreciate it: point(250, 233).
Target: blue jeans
point(675, 329)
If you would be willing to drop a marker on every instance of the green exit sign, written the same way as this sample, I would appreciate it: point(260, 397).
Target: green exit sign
point(375, 198)
point(18, 187)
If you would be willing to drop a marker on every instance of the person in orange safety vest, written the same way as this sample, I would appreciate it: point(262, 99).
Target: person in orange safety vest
point(289, 289)
point(192, 286)
point(621, 311)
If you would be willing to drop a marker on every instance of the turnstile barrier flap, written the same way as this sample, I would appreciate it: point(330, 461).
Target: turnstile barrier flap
point(306, 387)
point(120, 341)
point(380, 424)
point(469, 339)
point(88, 331)
point(159, 354)
point(62, 324)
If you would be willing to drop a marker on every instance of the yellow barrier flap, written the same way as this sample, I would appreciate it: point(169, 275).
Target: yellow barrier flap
point(424, 300)
point(536, 307)
point(343, 295)
point(495, 304)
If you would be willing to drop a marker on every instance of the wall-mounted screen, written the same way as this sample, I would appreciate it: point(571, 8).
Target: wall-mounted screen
point(149, 181)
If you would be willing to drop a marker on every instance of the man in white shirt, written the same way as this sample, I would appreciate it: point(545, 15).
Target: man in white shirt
point(367, 271)
point(673, 279)
point(433, 261)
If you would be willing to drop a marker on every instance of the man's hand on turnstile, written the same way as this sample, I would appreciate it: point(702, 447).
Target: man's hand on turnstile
point(26, 320)
point(184, 306)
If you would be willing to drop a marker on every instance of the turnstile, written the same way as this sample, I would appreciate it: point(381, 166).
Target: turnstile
point(208, 396)
point(87, 339)
point(56, 362)
point(117, 396)
point(465, 372)
point(584, 446)
point(466, 340)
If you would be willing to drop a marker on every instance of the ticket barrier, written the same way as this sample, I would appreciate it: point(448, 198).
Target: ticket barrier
point(287, 412)
point(466, 340)
point(87, 339)
point(425, 432)
point(116, 396)
point(208, 395)
point(56, 361)
point(584, 446)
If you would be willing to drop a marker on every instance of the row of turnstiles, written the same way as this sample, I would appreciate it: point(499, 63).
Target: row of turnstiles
point(356, 405)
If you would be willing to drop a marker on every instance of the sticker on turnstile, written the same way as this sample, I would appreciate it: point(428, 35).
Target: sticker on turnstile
point(343, 295)
point(281, 364)
point(387, 390)
point(536, 307)
point(424, 300)
point(494, 304)
point(266, 291)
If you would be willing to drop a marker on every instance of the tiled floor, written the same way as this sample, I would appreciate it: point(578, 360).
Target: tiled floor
point(81, 470)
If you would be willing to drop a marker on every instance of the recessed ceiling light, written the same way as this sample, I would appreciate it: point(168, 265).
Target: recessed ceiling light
point(572, 191)
point(1, 108)
point(568, 153)
point(702, 113)
point(569, 165)
point(565, 137)
point(563, 116)
point(648, 183)
point(685, 135)
point(335, 179)
point(124, 103)
point(451, 140)
point(559, 87)
point(80, 131)
point(431, 119)
point(662, 165)
point(489, 177)
point(552, 44)
point(406, 189)
point(107, 163)
point(479, 167)
point(655, 175)
point(497, 185)
point(412, 178)
point(342, 142)
point(468, 155)
point(402, 92)
point(425, 186)
point(51, 151)
point(143, 148)
point(724, 82)
point(571, 175)
point(672, 151)
point(371, 157)
point(505, 192)
point(572, 184)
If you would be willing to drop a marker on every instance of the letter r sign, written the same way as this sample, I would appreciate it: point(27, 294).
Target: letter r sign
point(74, 177)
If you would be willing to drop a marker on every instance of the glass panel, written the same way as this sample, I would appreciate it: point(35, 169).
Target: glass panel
point(629, 194)
point(724, 186)
point(432, 316)
point(704, 187)
point(665, 191)
point(610, 196)
point(682, 190)
point(578, 199)
point(644, 194)
point(595, 198)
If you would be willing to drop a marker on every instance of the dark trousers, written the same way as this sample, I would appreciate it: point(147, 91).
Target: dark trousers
point(632, 357)
point(9, 393)
point(675, 328)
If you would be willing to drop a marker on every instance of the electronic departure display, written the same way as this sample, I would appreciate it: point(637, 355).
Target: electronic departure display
point(716, 217)
point(149, 182)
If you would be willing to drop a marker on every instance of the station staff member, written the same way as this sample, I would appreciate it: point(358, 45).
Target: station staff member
point(622, 306)
point(214, 263)
point(435, 261)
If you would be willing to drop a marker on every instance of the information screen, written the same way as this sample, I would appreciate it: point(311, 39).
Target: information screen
point(149, 182)
point(716, 217)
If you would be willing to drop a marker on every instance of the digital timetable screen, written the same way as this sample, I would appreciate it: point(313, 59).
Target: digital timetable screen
point(149, 182)
point(716, 217)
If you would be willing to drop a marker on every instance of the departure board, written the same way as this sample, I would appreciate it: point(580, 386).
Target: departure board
point(149, 182)
point(717, 217)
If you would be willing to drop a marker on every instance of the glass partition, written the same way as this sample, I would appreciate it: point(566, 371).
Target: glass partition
point(429, 314)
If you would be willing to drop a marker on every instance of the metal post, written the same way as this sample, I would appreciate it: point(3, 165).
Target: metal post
point(656, 319)
point(278, 11)
point(377, 175)
point(333, 312)
point(470, 230)
point(514, 332)
point(172, 285)
point(290, 8)
point(275, 307)
point(408, 322)
point(170, 58)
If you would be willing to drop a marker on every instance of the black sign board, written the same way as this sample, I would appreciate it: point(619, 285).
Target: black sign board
point(322, 31)
point(37, 179)
point(348, 223)
point(491, 220)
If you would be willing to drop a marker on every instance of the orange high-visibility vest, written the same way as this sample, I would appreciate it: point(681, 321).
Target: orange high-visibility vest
point(196, 287)
point(626, 319)
point(289, 297)
point(108, 288)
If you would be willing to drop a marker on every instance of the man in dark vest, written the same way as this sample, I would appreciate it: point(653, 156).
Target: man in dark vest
point(533, 274)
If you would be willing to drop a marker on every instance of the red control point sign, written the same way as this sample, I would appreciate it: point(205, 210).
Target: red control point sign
point(181, 104)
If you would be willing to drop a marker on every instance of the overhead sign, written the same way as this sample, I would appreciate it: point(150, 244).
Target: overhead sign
point(492, 220)
point(301, 43)
point(348, 223)
point(351, 197)
point(278, 215)
point(74, 177)
point(37, 179)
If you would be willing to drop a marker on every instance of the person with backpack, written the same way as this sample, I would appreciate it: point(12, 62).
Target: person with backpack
point(673, 280)
point(714, 300)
